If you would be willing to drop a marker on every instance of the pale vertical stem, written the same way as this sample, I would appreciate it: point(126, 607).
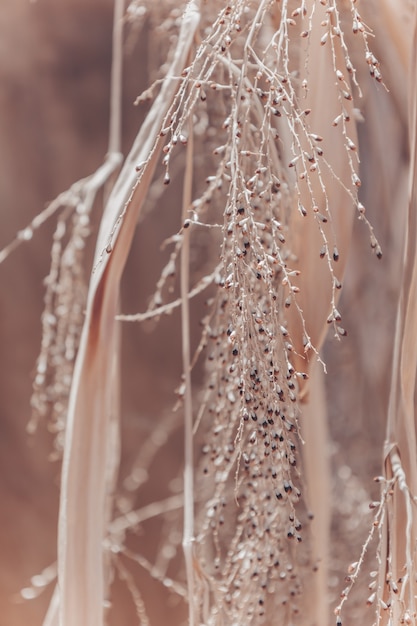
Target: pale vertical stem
point(188, 534)
point(115, 130)
point(116, 88)
point(114, 147)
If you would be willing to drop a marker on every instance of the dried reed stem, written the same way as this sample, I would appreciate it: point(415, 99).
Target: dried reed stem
point(115, 130)
point(188, 533)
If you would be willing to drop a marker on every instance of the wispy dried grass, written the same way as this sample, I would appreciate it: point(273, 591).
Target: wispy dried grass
point(257, 113)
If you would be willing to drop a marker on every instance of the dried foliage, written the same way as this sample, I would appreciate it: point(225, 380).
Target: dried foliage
point(256, 114)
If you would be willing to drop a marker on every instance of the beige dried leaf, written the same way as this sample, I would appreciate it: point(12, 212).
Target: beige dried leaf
point(90, 446)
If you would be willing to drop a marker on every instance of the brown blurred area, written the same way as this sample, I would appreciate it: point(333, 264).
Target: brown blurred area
point(54, 82)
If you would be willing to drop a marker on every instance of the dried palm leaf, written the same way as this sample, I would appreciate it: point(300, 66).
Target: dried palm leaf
point(90, 450)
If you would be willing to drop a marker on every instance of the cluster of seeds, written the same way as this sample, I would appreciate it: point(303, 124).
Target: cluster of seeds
point(62, 320)
point(244, 94)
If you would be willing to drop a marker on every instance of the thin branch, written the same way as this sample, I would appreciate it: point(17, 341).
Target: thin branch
point(115, 131)
point(169, 583)
point(188, 535)
point(133, 518)
point(137, 599)
point(165, 309)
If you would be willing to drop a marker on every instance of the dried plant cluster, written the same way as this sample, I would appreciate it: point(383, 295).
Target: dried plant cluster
point(271, 166)
point(256, 112)
point(63, 315)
